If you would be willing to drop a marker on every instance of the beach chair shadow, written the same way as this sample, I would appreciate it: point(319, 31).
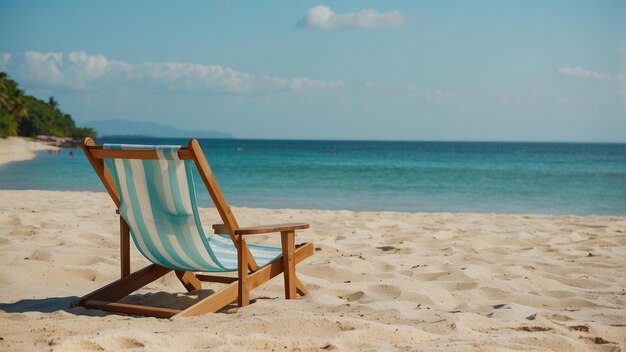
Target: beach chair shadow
point(153, 190)
point(55, 304)
point(42, 305)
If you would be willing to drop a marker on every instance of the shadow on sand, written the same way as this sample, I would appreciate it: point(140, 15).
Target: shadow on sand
point(42, 305)
point(55, 304)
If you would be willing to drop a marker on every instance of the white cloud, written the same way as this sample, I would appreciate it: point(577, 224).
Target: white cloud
point(81, 71)
point(579, 72)
point(87, 68)
point(411, 87)
point(621, 50)
point(322, 16)
point(4, 58)
point(42, 67)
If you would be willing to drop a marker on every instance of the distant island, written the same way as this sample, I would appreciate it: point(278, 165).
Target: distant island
point(27, 116)
point(120, 127)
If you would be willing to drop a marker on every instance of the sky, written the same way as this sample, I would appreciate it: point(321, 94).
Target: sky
point(351, 70)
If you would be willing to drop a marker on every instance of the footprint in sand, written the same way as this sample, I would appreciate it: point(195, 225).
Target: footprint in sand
point(41, 254)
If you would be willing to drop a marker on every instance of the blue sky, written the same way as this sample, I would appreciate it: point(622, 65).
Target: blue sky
point(382, 70)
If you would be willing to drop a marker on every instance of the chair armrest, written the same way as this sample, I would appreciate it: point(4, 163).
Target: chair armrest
point(220, 229)
point(254, 230)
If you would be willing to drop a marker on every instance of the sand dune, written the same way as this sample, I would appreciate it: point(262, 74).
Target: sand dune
point(378, 281)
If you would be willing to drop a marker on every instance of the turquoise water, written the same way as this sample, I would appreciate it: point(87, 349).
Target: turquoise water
point(548, 178)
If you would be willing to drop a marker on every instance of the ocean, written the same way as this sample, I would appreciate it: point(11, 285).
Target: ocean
point(537, 178)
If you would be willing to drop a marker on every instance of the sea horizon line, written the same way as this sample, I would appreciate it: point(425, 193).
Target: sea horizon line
point(371, 140)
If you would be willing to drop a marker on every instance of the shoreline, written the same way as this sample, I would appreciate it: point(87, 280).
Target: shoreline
point(365, 212)
point(20, 148)
point(421, 183)
point(377, 281)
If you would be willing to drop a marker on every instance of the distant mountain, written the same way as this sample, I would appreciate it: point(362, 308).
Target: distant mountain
point(119, 127)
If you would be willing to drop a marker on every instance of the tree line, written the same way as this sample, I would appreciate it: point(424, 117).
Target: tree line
point(25, 115)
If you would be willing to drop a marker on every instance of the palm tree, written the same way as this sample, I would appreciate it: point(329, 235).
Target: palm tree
point(11, 97)
point(17, 105)
point(54, 104)
point(12, 105)
point(4, 91)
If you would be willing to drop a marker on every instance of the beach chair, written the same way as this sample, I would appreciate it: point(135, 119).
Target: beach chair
point(152, 187)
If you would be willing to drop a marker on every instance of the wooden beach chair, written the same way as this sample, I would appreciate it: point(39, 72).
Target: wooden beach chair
point(152, 187)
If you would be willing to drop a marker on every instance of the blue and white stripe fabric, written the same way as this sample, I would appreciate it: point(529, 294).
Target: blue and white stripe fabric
point(158, 201)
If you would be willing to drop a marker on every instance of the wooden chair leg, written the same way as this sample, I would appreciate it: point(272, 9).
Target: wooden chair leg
point(124, 248)
point(288, 239)
point(300, 288)
point(213, 303)
point(243, 292)
point(189, 280)
point(105, 298)
point(125, 286)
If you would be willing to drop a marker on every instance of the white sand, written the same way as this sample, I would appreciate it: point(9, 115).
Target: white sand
point(20, 148)
point(379, 281)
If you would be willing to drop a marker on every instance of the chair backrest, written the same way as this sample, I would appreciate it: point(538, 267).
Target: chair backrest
point(155, 194)
point(158, 202)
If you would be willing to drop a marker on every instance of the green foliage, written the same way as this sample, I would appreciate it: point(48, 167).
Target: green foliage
point(26, 115)
point(8, 127)
point(43, 119)
point(81, 132)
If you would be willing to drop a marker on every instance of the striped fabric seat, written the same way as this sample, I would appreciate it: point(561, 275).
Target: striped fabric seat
point(158, 201)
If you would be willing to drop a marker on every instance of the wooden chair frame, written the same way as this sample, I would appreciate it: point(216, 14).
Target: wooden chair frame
point(249, 275)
